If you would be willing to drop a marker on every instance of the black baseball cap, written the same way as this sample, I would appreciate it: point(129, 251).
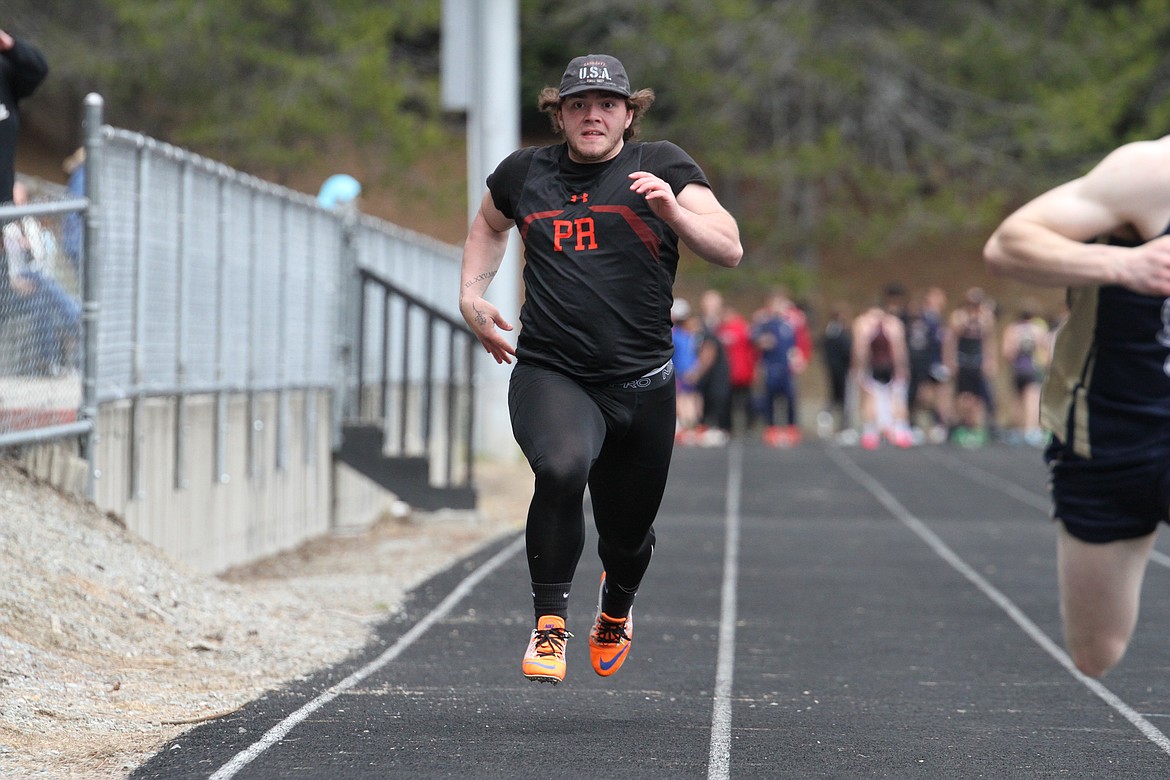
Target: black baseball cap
point(595, 71)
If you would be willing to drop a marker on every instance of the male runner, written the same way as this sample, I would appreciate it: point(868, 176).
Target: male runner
point(881, 368)
point(1106, 398)
point(592, 395)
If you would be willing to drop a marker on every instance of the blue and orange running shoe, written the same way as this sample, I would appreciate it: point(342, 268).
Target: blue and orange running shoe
point(544, 660)
point(610, 638)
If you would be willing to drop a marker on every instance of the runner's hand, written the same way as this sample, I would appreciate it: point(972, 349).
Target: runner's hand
point(659, 196)
point(1148, 269)
point(486, 322)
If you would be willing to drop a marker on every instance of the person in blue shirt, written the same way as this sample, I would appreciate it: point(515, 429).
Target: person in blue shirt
point(689, 403)
point(774, 334)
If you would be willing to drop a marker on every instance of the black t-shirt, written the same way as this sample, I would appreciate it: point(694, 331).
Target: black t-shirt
point(22, 69)
point(599, 265)
point(837, 345)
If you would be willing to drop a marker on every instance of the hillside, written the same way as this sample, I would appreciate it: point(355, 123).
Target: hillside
point(885, 127)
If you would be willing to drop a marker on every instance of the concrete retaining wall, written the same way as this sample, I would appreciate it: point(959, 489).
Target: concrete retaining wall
point(277, 490)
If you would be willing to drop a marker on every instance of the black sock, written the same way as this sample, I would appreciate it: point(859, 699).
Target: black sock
point(551, 598)
point(616, 601)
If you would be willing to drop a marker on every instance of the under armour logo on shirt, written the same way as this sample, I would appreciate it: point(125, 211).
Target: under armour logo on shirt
point(583, 197)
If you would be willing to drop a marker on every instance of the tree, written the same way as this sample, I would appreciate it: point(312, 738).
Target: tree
point(860, 126)
point(266, 85)
point(867, 123)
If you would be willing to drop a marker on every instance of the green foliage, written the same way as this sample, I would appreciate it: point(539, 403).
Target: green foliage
point(865, 125)
point(856, 125)
point(267, 84)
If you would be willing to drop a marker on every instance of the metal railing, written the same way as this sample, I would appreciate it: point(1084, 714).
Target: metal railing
point(423, 402)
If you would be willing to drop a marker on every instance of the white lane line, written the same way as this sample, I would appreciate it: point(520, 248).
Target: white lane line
point(895, 508)
point(280, 730)
point(719, 756)
point(996, 482)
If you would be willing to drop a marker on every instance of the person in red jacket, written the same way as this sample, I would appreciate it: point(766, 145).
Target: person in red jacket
point(742, 357)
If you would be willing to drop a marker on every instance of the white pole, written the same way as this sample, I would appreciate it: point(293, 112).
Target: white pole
point(493, 133)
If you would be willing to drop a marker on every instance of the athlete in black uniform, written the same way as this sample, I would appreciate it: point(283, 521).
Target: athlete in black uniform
point(592, 395)
point(1106, 398)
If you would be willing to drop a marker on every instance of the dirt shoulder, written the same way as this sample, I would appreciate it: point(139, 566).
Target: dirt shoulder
point(109, 649)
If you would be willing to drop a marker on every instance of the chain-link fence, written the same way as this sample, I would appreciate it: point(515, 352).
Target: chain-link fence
point(180, 276)
point(209, 280)
point(40, 313)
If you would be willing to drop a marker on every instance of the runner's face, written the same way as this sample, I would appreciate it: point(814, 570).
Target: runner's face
point(593, 123)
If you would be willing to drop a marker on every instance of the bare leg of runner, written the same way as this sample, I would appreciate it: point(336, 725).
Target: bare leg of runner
point(1100, 590)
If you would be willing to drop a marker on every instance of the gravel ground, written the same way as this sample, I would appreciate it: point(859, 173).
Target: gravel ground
point(108, 648)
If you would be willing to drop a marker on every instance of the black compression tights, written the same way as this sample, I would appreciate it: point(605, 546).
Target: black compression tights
point(616, 442)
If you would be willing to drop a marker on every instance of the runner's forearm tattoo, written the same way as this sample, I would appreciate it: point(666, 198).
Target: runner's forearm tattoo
point(480, 278)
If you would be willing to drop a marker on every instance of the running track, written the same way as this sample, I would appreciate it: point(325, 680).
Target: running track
point(815, 612)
